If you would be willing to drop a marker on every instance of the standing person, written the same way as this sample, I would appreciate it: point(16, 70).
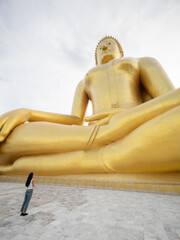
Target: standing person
point(30, 185)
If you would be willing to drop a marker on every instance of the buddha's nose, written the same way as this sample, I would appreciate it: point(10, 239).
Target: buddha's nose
point(104, 47)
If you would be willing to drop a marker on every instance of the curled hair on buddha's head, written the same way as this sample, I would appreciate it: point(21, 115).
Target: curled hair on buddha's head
point(117, 42)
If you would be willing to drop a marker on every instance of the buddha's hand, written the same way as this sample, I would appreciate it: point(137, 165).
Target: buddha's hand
point(103, 117)
point(12, 119)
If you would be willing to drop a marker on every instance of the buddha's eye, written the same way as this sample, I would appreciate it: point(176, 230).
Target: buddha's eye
point(100, 48)
point(109, 43)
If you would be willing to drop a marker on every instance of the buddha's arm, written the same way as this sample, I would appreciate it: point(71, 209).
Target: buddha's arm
point(10, 120)
point(124, 123)
point(38, 116)
point(154, 78)
point(80, 102)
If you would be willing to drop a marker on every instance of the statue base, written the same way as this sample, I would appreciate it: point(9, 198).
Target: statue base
point(167, 183)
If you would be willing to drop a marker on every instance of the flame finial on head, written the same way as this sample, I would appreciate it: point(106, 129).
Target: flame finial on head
point(119, 46)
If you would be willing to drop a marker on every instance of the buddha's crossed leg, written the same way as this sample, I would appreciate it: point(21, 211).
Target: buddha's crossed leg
point(152, 147)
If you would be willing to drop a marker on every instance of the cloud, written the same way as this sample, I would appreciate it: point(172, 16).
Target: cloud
point(46, 47)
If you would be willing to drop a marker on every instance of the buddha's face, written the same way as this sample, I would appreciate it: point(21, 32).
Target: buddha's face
point(107, 50)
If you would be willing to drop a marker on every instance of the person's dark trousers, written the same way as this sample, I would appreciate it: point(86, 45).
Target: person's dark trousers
point(27, 199)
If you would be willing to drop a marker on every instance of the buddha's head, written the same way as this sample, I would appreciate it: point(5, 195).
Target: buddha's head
point(108, 48)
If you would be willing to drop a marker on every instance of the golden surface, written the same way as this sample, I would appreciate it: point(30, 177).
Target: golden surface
point(166, 183)
point(135, 126)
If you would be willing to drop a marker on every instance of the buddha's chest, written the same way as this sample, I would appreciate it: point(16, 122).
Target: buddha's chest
point(114, 77)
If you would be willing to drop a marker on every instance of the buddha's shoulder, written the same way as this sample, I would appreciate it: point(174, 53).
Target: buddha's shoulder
point(149, 60)
point(95, 71)
point(134, 61)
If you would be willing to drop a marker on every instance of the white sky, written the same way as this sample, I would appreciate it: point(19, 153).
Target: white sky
point(47, 46)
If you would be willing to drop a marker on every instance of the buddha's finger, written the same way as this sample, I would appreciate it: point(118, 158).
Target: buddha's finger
point(2, 121)
point(96, 117)
point(103, 115)
point(104, 121)
point(7, 128)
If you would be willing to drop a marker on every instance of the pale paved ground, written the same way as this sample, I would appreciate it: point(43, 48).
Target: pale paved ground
point(58, 213)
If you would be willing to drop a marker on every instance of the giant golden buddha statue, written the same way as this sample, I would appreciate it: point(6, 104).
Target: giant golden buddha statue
point(134, 128)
